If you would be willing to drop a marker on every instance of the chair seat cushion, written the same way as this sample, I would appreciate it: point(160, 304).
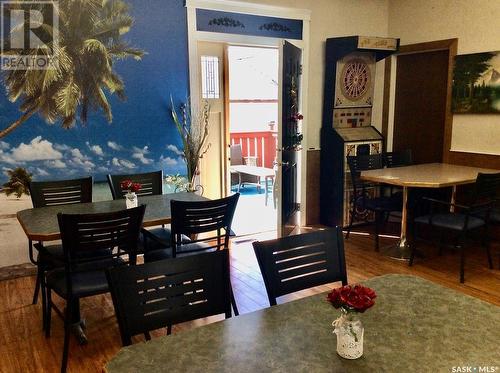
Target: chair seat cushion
point(86, 283)
point(163, 238)
point(493, 217)
point(183, 250)
point(451, 221)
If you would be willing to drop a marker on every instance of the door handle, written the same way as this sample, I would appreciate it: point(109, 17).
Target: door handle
point(283, 163)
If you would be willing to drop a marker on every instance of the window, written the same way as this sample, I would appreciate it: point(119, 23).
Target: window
point(210, 77)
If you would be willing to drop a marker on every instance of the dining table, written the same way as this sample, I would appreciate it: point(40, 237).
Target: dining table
point(41, 224)
point(414, 326)
point(426, 175)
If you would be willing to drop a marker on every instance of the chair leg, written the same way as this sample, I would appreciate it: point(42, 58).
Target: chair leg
point(169, 329)
point(462, 264)
point(351, 218)
point(147, 336)
point(233, 302)
point(486, 244)
point(413, 246)
point(378, 217)
point(48, 312)
point(67, 332)
point(37, 286)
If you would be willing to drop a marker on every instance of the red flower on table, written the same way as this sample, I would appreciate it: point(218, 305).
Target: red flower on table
point(356, 298)
point(130, 186)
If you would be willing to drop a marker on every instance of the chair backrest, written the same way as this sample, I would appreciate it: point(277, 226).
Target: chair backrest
point(236, 155)
point(61, 192)
point(99, 238)
point(487, 187)
point(358, 163)
point(151, 184)
point(397, 159)
point(294, 263)
point(158, 294)
point(207, 222)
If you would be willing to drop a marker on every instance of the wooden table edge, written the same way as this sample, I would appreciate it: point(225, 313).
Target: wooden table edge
point(416, 184)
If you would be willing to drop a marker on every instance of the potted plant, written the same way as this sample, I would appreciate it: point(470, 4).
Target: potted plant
point(194, 134)
point(131, 188)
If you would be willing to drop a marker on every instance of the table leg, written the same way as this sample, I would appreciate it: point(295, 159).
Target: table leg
point(453, 198)
point(239, 181)
point(402, 250)
point(265, 185)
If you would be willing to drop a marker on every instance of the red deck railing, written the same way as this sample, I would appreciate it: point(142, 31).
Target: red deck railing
point(261, 144)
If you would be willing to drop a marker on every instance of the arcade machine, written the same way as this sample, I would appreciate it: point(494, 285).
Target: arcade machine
point(347, 119)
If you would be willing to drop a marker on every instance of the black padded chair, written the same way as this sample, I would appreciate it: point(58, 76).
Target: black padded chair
point(54, 193)
point(397, 159)
point(361, 199)
point(92, 243)
point(207, 223)
point(170, 291)
point(151, 184)
point(464, 218)
point(294, 263)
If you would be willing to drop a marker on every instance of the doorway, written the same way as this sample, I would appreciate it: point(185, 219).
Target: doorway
point(252, 111)
point(421, 115)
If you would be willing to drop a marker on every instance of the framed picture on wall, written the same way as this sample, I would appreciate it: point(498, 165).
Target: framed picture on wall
point(476, 83)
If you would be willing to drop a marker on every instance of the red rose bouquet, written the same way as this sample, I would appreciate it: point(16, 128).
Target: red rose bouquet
point(352, 298)
point(130, 186)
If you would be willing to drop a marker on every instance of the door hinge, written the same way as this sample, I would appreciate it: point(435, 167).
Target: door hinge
point(300, 69)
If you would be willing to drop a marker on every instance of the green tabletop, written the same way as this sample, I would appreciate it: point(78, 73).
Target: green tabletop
point(415, 326)
point(41, 224)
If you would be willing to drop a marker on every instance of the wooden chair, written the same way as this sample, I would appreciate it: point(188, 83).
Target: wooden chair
point(294, 263)
point(151, 184)
point(361, 200)
point(53, 193)
point(207, 223)
point(463, 219)
point(92, 243)
point(170, 291)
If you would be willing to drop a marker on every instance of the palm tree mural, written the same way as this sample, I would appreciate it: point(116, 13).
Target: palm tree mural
point(90, 40)
point(18, 184)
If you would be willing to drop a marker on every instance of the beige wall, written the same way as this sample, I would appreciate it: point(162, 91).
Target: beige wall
point(476, 25)
point(333, 18)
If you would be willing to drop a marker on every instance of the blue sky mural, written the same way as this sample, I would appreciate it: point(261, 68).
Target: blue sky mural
point(141, 137)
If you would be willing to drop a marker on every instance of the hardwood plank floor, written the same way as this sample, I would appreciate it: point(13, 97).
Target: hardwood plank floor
point(23, 347)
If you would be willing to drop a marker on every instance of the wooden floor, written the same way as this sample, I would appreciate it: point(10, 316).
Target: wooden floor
point(23, 347)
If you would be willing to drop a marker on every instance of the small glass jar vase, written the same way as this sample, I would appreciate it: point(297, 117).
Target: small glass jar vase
point(349, 331)
point(131, 200)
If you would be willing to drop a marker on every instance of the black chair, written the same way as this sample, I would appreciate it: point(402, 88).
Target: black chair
point(151, 184)
point(294, 263)
point(91, 243)
point(397, 159)
point(207, 223)
point(170, 291)
point(54, 193)
point(463, 219)
point(361, 199)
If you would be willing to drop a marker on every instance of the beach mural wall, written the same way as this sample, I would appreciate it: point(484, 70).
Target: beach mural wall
point(140, 135)
point(131, 132)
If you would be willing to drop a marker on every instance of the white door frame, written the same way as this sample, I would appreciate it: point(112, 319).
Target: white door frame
point(194, 36)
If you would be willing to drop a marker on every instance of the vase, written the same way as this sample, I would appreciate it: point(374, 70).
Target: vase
point(131, 200)
point(349, 331)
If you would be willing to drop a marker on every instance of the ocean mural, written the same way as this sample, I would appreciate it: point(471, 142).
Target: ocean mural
point(140, 136)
